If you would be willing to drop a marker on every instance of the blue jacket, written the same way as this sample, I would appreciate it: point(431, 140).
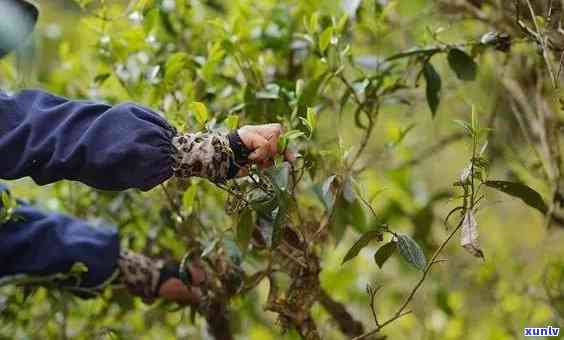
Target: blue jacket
point(50, 138)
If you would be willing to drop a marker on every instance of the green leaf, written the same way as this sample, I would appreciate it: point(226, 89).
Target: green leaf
point(7, 207)
point(272, 224)
point(174, 64)
point(465, 125)
point(347, 214)
point(433, 89)
point(282, 143)
point(362, 242)
point(200, 112)
point(79, 268)
point(281, 176)
point(411, 251)
point(263, 204)
point(101, 78)
point(519, 190)
point(293, 134)
point(311, 118)
point(188, 198)
point(313, 23)
point(299, 87)
point(384, 252)
point(325, 39)
point(245, 228)
point(232, 122)
point(310, 93)
point(462, 64)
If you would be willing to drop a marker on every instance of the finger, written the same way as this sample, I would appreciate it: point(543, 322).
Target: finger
point(290, 156)
point(174, 290)
point(273, 129)
point(273, 146)
point(260, 146)
point(243, 172)
point(270, 132)
point(260, 153)
point(189, 296)
point(251, 139)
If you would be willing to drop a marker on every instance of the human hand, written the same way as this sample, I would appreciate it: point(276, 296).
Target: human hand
point(150, 278)
point(173, 289)
point(262, 142)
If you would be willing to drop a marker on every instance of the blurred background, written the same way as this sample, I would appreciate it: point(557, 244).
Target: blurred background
point(167, 53)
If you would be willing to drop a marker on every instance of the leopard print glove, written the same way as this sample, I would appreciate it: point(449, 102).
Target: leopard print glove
point(140, 274)
point(211, 155)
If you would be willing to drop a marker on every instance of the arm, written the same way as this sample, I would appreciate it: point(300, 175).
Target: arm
point(41, 245)
point(50, 138)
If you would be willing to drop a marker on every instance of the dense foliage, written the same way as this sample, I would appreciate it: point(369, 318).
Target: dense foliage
point(422, 126)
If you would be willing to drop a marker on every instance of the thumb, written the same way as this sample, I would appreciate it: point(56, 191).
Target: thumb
point(260, 147)
point(260, 153)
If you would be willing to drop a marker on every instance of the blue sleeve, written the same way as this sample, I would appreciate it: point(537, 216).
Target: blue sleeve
point(38, 244)
point(50, 138)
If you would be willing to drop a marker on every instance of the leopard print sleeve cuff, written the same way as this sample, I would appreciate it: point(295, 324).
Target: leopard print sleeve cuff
point(140, 274)
point(210, 155)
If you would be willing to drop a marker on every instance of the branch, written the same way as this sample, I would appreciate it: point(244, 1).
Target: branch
point(361, 106)
point(347, 324)
point(541, 39)
point(432, 150)
point(401, 310)
point(217, 317)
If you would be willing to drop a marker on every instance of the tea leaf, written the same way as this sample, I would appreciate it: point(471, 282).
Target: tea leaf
point(411, 251)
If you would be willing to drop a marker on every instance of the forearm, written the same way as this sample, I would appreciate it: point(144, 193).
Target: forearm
point(40, 244)
point(50, 138)
point(43, 248)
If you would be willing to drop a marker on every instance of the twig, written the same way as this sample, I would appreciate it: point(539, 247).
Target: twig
point(324, 223)
point(440, 145)
point(292, 257)
point(372, 293)
point(362, 107)
point(347, 324)
point(172, 203)
point(542, 42)
point(561, 63)
point(400, 312)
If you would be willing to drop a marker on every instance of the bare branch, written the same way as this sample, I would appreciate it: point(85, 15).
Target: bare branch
point(432, 150)
point(347, 324)
point(541, 39)
point(401, 310)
